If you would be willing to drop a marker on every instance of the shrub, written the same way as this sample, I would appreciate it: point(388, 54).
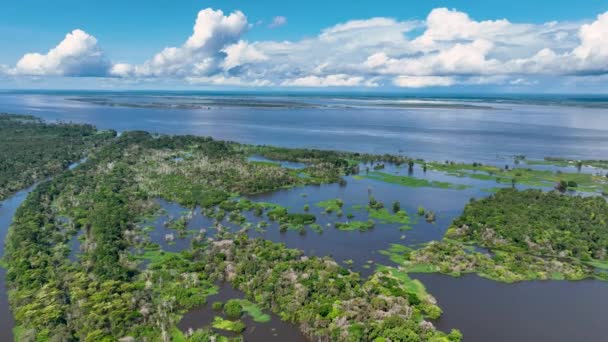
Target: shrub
point(217, 306)
point(233, 309)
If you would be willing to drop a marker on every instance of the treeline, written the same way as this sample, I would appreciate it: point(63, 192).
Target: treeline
point(537, 222)
point(341, 158)
point(31, 150)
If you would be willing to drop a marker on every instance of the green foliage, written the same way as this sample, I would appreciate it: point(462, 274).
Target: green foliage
point(254, 310)
point(332, 205)
point(31, 150)
point(563, 181)
point(538, 223)
point(318, 293)
point(125, 286)
point(224, 324)
point(531, 235)
point(356, 225)
point(413, 182)
point(233, 309)
point(396, 206)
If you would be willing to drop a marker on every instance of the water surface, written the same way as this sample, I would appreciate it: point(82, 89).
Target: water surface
point(486, 129)
point(467, 129)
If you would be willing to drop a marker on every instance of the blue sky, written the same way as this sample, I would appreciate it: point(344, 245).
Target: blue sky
point(132, 33)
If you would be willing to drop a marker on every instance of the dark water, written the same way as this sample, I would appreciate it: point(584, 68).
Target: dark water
point(484, 310)
point(394, 125)
point(7, 211)
point(360, 247)
point(274, 330)
point(533, 311)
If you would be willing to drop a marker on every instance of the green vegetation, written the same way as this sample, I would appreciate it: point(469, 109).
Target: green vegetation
point(254, 310)
point(346, 160)
point(530, 234)
point(537, 222)
point(32, 150)
point(217, 306)
point(332, 205)
point(126, 287)
point(233, 309)
point(384, 216)
point(227, 325)
point(562, 162)
point(355, 225)
point(106, 295)
point(328, 301)
point(411, 181)
point(455, 258)
point(583, 182)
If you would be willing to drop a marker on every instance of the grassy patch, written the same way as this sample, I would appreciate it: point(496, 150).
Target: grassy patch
point(355, 225)
point(584, 182)
point(386, 217)
point(413, 182)
point(227, 325)
point(177, 335)
point(254, 310)
point(332, 205)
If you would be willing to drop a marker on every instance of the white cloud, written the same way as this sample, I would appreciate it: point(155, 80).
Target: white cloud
point(593, 50)
point(241, 53)
point(77, 55)
point(423, 81)
point(228, 81)
point(445, 49)
point(523, 81)
point(200, 55)
point(339, 80)
point(277, 21)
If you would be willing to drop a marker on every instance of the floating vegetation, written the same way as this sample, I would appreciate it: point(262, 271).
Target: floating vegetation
point(228, 325)
point(355, 225)
point(582, 182)
point(332, 205)
point(414, 182)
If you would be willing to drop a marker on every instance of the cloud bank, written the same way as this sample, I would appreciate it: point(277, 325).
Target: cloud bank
point(447, 48)
point(76, 55)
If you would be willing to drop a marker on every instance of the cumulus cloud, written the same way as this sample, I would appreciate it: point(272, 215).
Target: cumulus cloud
point(277, 21)
point(593, 50)
point(447, 48)
point(76, 55)
point(452, 49)
point(200, 55)
point(241, 53)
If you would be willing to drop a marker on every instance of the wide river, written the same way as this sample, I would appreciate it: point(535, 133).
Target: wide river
point(483, 129)
point(486, 129)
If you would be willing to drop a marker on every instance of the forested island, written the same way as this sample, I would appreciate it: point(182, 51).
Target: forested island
point(120, 283)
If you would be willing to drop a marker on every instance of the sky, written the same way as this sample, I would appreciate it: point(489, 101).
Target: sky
point(383, 45)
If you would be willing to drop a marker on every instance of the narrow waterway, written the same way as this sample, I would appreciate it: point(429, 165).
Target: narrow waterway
point(7, 211)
